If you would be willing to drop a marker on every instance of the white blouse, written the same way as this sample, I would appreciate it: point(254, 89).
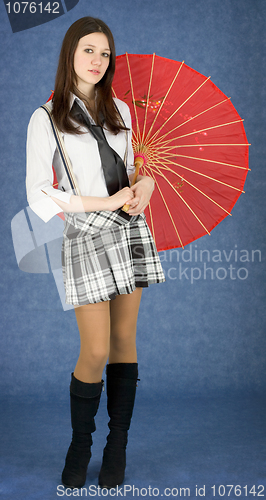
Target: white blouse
point(84, 155)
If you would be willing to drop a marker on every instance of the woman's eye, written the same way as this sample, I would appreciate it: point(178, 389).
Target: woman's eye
point(105, 54)
point(88, 50)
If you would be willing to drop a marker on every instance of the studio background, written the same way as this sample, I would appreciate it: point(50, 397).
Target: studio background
point(204, 339)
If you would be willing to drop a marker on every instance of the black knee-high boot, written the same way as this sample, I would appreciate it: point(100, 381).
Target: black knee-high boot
point(121, 389)
point(84, 402)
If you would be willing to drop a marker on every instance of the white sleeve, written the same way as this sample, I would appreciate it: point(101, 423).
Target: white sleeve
point(40, 152)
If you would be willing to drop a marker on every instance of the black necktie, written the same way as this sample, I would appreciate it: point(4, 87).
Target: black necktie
point(114, 169)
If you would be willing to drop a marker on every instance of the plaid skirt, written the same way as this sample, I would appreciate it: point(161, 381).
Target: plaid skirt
point(105, 254)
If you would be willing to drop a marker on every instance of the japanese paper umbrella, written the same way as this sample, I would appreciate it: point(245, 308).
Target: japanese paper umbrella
point(189, 138)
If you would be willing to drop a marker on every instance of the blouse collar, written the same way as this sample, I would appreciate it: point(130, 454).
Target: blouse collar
point(73, 98)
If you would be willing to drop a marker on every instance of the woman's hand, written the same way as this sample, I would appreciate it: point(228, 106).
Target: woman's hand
point(142, 190)
point(117, 200)
point(95, 203)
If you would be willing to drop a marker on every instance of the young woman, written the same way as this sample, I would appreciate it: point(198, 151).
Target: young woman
point(108, 255)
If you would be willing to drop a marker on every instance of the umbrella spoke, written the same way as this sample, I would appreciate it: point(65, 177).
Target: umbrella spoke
point(148, 97)
point(164, 99)
point(178, 109)
point(195, 187)
point(213, 161)
point(165, 149)
point(135, 140)
point(184, 201)
point(167, 158)
point(160, 158)
point(168, 155)
point(192, 118)
point(205, 144)
point(203, 175)
point(168, 211)
point(161, 154)
point(199, 131)
point(133, 96)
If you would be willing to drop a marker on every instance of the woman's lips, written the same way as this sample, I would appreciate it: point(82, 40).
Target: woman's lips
point(94, 71)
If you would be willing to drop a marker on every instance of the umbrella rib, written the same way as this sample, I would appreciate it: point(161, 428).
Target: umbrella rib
point(203, 145)
point(181, 105)
point(205, 159)
point(163, 151)
point(133, 96)
point(168, 158)
point(164, 99)
point(184, 201)
point(167, 208)
point(148, 97)
point(163, 143)
point(203, 175)
point(197, 189)
point(135, 140)
point(195, 116)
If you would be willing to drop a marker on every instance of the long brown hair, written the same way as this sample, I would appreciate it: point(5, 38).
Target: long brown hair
point(65, 81)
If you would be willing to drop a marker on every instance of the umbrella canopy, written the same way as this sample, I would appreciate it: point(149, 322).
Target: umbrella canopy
point(191, 141)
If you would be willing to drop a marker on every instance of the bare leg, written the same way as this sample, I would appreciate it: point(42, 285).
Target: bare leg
point(124, 314)
point(94, 329)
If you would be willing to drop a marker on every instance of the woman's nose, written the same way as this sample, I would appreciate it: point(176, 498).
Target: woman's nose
point(97, 59)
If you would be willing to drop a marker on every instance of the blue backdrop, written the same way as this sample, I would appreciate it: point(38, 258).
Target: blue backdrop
point(195, 336)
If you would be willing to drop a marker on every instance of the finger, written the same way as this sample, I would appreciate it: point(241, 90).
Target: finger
point(137, 210)
point(134, 187)
point(130, 194)
point(133, 210)
point(127, 199)
point(127, 190)
point(134, 201)
point(140, 207)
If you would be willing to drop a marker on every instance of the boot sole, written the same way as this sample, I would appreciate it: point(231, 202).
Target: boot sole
point(110, 487)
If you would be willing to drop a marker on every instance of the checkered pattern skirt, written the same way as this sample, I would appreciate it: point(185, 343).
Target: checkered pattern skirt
point(105, 254)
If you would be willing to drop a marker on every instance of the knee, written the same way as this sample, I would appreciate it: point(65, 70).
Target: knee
point(123, 338)
point(96, 357)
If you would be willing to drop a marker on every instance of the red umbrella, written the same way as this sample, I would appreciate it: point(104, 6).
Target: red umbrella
point(190, 139)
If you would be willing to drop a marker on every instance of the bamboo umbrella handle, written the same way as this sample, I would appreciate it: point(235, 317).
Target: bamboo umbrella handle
point(138, 162)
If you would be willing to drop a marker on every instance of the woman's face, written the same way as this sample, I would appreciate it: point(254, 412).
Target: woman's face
point(91, 61)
